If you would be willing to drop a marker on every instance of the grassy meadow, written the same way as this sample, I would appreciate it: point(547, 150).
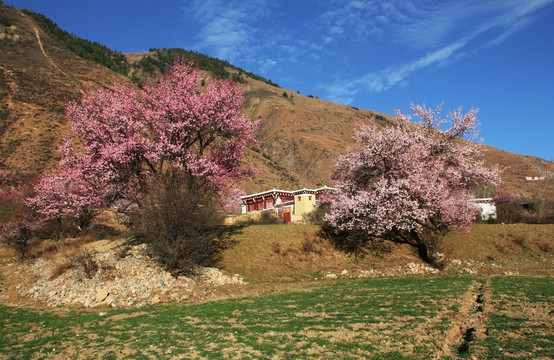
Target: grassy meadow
point(404, 318)
point(292, 310)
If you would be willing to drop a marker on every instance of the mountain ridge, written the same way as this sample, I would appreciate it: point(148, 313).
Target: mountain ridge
point(299, 138)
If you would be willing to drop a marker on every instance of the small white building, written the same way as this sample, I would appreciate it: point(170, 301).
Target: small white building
point(487, 208)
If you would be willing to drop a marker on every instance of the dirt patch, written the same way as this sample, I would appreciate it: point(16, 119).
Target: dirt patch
point(127, 316)
point(470, 321)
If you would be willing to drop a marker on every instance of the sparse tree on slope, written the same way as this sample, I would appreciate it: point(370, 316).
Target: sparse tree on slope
point(410, 182)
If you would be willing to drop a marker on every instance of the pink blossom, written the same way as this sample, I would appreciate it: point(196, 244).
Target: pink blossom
point(410, 177)
point(130, 138)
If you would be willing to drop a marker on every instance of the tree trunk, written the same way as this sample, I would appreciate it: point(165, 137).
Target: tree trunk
point(429, 246)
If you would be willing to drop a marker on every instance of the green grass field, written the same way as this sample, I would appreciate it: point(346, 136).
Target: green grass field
point(403, 318)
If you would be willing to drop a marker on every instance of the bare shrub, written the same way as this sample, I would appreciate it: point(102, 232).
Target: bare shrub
point(87, 263)
point(60, 268)
point(281, 252)
point(269, 218)
point(109, 273)
point(266, 218)
point(520, 241)
point(18, 224)
point(123, 251)
point(277, 249)
point(501, 248)
point(180, 222)
point(525, 209)
point(19, 232)
point(59, 229)
point(510, 212)
point(103, 231)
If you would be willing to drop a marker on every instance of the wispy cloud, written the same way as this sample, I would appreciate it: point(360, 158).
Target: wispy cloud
point(227, 28)
point(445, 32)
point(439, 33)
point(390, 76)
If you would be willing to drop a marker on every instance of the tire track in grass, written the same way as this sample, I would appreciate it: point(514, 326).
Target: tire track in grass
point(469, 324)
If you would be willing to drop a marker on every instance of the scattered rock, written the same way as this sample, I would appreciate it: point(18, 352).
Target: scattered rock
point(134, 280)
point(413, 268)
point(456, 262)
point(216, 277)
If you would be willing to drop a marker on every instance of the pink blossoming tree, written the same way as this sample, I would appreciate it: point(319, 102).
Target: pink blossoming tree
point(411, 181)
point(130, 142)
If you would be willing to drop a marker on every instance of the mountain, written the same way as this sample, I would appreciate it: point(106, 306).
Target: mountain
point(37, 77)
point(299, 138)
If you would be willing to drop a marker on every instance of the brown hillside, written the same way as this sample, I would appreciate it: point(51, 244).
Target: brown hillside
point(306, 135)
point(301, 135)
point(299, 138)
point(37, 78)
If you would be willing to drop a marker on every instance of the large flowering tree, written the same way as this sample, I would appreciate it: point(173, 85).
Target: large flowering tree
point(410, 181)
point(127, 141)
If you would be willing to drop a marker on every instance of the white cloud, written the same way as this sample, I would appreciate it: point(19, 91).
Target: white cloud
point(447, 32)
point(256, 33)
point(266, 65)
point(390, 76)
point(425, 25)
point(227, 28)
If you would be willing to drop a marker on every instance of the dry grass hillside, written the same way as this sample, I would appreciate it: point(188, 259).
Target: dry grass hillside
point(304, 135)
point(300, 135)
point(299, 138)
point(37, 78)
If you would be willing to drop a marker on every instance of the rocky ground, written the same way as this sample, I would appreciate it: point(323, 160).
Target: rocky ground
point(113, 275)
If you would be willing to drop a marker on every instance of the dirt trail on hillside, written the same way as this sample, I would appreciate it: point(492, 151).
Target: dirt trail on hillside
point(46, 55)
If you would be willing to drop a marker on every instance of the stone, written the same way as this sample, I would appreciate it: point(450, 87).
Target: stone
point(101, 295)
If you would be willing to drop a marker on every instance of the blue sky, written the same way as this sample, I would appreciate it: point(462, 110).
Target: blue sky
point(494, 55)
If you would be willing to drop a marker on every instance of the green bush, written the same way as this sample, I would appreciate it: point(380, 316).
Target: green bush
point(5, 21)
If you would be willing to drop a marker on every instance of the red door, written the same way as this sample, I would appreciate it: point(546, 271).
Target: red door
point(287, 216)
